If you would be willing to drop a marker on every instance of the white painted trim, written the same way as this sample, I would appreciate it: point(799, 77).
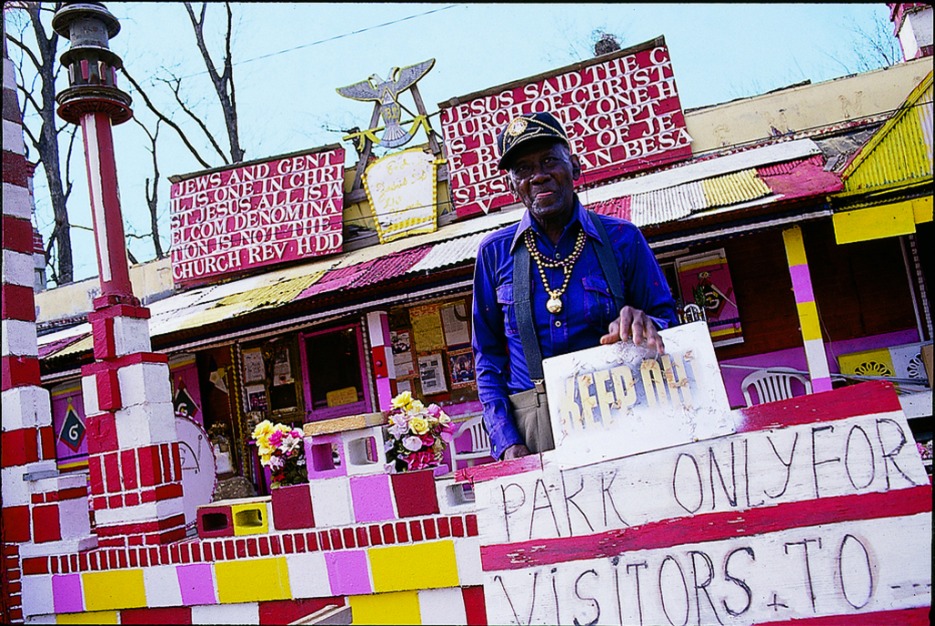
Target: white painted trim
point(89, 125)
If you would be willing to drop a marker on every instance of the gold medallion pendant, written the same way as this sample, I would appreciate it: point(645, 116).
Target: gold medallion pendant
point(554, 303)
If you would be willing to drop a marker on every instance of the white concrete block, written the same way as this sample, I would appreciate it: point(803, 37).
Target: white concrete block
point(15, 490)
point(17, 267)
point(244, 613)
point(144, 383)
point(42, 619)
point(467, 555)
point(65, 546)
point(356, 444)
point(13, 137)
point(375, 329)
point(453, 499)
point(331, 501)
point(145, 424)
point(9, 77)
point(16, 201)
point(141, 512)
point(18, 338)
point(162, 586)
point(308, 575)
point(89, 395)
point(26, 407)
point(75, 518)
point(442, 606)
point(131, 335)
point(37, 595)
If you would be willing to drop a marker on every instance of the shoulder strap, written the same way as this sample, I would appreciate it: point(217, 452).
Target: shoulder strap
point(522, 296)
point(605, 255)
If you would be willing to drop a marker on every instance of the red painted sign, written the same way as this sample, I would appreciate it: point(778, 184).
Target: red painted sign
point(257, 214)
point(621, 111)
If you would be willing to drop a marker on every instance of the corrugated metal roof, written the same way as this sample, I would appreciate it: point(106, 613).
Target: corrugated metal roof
point(901, 150)
point(448, 253)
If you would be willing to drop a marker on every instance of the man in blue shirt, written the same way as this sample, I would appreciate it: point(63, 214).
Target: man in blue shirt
point(573, 303)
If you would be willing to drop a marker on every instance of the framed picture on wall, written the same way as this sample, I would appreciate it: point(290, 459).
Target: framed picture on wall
point(432, 374)
point(461, 366)
point(401, 340)
point(253, 366)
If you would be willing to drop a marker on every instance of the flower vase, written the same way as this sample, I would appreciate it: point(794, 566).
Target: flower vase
point(292, 507)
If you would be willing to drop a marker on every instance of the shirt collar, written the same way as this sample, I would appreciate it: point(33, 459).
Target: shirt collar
point(580, 216)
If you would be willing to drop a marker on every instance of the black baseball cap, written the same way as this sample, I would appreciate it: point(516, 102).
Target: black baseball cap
point(525, 128)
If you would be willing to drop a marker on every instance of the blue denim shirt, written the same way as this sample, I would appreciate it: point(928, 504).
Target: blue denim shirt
point(588, 307)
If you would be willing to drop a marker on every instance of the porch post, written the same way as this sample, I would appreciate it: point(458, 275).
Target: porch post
point(381, 358)
point(807, 310)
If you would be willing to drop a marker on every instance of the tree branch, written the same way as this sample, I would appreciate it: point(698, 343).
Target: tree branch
point(165, 119)
point(175, 85)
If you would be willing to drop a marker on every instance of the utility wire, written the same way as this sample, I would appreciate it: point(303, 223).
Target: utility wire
point(334, 38)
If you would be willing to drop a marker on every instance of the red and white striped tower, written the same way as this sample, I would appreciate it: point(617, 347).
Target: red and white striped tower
point(27, 446)
point(133, 449)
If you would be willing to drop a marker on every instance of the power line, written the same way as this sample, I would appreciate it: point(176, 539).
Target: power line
point(334, 38)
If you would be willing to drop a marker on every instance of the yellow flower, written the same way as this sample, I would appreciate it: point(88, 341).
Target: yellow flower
point(262, 431)
point(419, 425)
point(402, 401)
point(416, 406)
point(443, 418)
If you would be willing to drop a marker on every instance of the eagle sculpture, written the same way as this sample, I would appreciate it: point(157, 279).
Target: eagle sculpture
point(384, 92)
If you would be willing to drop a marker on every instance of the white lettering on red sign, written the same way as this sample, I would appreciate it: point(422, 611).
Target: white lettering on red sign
point(622, 115)
point(256, 215)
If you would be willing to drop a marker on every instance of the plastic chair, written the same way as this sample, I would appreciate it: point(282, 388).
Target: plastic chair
point(773, 384)
point(480, 442)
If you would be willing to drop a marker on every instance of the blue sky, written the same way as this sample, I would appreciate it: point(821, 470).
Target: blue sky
point(290, 57)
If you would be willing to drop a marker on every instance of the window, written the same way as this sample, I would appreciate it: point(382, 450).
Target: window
point(334, 374)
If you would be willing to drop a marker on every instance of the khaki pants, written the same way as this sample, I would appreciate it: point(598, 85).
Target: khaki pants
point(531, 412)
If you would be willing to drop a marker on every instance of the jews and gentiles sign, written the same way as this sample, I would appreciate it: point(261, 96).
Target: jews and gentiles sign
point(621, 111)
point(808, 509)
point(256, 214)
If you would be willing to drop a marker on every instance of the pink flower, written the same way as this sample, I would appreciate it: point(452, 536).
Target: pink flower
point(427, 439)
point(412, 443)
point(421, 460)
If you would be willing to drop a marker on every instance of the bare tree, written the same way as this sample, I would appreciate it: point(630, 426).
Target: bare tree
point(152, 187)
point(39, 98)
point(873, 46)
point(223, 82)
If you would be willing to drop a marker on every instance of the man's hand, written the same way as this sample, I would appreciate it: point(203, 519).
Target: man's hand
point(515, 451)
point(635, 324)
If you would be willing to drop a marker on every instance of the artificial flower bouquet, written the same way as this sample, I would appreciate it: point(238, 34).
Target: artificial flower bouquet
point(416, 435)
point(282, 450)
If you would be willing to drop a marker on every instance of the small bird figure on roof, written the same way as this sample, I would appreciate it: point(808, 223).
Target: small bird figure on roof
point(385, 92)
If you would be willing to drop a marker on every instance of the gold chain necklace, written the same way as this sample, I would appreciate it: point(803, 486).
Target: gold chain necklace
point(554, 304)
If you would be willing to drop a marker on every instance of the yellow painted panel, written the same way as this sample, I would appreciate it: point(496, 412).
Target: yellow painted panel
point(399, 607)
point(116, 589)
point(808, 320)
point(250, 519)
point(795, 247)
point(922, 209)
point(419, 566)
point(88, 617)
point(888, 220)
point(252, 580)
point(877, 362)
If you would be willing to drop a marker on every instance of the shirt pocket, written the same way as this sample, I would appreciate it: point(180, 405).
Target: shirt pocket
point(508, 306)
point(599, 308)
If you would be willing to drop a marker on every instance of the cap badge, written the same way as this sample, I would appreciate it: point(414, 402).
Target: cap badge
point(517, 126)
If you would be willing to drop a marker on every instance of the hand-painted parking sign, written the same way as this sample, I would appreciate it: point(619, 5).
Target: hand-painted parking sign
point(72, 429)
